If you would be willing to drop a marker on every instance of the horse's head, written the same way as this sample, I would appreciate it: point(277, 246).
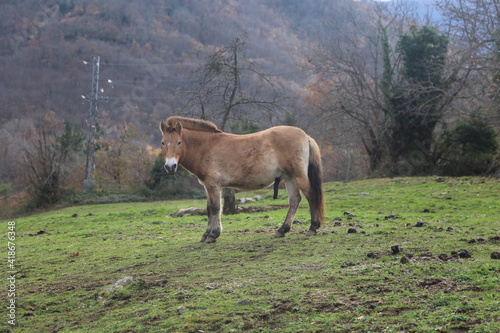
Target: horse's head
point(171, 142)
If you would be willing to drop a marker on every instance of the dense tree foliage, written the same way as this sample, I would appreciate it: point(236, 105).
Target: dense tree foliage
point(469, 149)
point(416, 101)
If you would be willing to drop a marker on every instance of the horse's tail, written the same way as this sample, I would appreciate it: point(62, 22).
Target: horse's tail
point(315, 173)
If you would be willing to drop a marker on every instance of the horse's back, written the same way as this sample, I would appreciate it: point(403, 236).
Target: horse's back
point(274, 140)
point(284, 137)
point(254, 160)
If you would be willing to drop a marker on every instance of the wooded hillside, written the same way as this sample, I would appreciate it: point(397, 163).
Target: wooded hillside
point(335, 68)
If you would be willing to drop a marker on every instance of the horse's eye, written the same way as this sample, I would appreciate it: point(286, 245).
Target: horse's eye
point(179, 143)
point(163, 143)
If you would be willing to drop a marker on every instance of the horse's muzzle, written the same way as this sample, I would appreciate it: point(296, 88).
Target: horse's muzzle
point(171, 166)
point(171, 169)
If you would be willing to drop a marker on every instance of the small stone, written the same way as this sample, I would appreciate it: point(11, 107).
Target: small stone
point(245, 200)
point(495, 255)
point(443, 257)
point(351, 231)
point(464, 254)
point(405, 260)
point(123, 282)
point(244, 302)
point(395, 249)
point(181, 308)
point(189, 212)
point(419, 224)
point(347, 264)
point(108, 291)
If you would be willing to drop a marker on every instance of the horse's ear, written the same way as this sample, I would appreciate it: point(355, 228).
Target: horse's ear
point(163, 126)
point(178, 127)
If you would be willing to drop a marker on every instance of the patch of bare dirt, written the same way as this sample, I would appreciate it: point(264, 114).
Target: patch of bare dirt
point(389, 312)
point(439, 284)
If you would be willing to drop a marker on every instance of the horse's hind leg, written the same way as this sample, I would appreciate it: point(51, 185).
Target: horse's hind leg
point(293, 201)
point(316, 216)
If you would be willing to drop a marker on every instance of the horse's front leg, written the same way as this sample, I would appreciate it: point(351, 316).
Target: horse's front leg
point(214, 227)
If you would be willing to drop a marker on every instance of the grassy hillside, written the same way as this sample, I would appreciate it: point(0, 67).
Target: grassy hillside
point(337, 281)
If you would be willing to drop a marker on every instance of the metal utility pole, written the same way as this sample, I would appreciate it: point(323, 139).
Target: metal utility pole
point(92, 135)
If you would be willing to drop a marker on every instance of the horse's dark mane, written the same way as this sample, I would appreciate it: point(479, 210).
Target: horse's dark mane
point(195, 124)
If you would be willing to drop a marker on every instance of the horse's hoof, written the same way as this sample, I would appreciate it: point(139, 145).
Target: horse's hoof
point(279, 235)
point(210, 240)
point(203, 239)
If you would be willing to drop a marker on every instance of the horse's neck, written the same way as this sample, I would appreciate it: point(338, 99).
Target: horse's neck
point(198, 143)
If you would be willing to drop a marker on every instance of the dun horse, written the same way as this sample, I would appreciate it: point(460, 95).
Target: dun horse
point(248, 162)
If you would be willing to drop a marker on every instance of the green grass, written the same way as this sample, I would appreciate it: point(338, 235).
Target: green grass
point(251, 282)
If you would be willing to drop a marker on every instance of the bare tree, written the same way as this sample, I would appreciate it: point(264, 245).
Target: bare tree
point(350, 60)
point(231, 86)
point(473, 27)
point(47, 161)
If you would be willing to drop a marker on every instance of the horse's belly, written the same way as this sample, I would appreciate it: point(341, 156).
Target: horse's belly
point(249, 169)
point(252, 181)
